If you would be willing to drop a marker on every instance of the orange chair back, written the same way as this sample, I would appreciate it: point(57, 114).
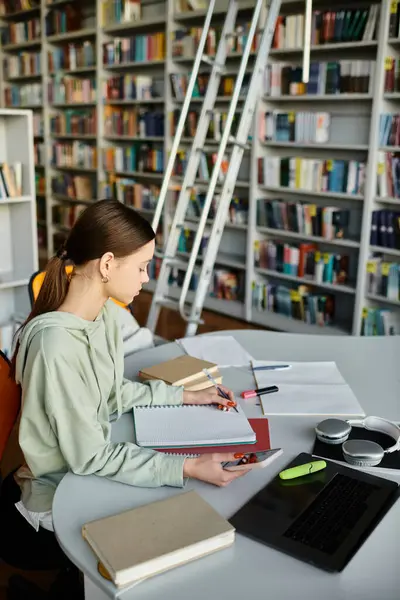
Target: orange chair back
point(10, 402)
point(37, 279)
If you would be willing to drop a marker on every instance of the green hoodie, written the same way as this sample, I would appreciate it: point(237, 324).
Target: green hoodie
point(71, 373)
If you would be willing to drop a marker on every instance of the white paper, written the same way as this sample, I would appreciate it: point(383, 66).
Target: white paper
point(223, 350)
point(307, 388)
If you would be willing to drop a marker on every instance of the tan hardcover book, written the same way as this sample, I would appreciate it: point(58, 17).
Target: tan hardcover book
point(156, 537)
point(184, 370)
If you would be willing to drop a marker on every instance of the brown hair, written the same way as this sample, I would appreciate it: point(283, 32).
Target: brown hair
point(105, 226)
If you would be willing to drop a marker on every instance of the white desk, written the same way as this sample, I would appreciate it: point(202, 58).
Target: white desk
point(249, 569)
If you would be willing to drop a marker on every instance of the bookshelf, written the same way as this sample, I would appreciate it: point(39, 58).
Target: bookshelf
point(19, 256)
point(104, 104)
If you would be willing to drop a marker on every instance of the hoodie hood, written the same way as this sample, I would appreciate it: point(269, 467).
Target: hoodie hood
point(77, 327)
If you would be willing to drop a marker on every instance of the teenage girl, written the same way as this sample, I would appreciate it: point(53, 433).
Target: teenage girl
point(69, 362)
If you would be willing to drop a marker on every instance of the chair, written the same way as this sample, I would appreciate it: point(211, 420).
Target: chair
point(10, 403)
point(11, 458)
point(36, 280)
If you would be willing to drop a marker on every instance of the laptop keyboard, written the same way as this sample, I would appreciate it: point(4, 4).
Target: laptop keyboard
point(329, 519)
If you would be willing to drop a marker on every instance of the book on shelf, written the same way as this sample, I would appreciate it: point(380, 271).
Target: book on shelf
point(312, 174)
point(18, 96)
point(64, 89)
point(64, 19)
point(383, 278)
point(38, 125)
point(238, 209)
point(74, 121)
point(65, 215)
point(183, 371)
point(25, 63)
point(74, 56)
point(300, 303)
point(9, 7)
point(136, 48)
point(10, 180)
point(389, 130)
point(327, 27)
point(76, 187)
point(142, 158)
point(303, 260)
point(130, 87)
point(120, 11)
point(336, 77)
point(40, 184)
point(186, 41)
point(380, 321)
point(215, 128)
point(23, 31)
point(394, 19)
point(329, 222)
point(153, 538)
point(74, 154)
point(289, 126)
point(179, 85)
point(388, 179)
point(38, 154)
point(206, 165)
point(133, 122)
point(186, 239)
point(385, 229)
point(131, 193)
point(392, 78)
point(227, 284)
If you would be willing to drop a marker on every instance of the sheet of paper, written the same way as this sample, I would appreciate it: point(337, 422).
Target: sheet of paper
point(222, 350)
point(307, 388)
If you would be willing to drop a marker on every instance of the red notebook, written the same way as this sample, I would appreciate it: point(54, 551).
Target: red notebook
point(260, 428)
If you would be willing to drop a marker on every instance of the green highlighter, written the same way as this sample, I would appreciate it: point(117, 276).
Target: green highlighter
point(311, 467)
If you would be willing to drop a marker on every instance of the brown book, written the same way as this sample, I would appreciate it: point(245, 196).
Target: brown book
point(184, 370)
point(156, 537)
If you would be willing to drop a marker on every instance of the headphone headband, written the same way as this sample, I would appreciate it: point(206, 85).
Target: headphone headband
point(382, 426)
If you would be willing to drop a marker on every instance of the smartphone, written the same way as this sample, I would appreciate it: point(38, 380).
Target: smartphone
point(253, 460)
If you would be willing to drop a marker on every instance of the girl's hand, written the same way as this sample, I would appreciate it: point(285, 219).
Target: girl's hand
point(208, 468)
point(210, 396)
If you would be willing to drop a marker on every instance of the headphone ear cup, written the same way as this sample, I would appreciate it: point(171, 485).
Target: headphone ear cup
point(362, 453)
point(333, 431)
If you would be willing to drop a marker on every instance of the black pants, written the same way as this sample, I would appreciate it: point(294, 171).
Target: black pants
point(20, 545)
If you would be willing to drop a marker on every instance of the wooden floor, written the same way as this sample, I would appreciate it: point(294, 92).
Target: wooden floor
point(171, 326)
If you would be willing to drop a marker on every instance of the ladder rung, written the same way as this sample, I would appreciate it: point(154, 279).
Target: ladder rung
point(210, 61)
point(174, 261)
point(168, 303)
point(236, 142)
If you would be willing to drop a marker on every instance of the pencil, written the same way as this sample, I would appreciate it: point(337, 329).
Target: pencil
point(220, 392)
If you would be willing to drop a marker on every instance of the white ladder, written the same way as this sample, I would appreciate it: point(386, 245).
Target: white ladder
point(170, 258)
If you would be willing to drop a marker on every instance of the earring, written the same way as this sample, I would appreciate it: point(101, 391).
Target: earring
point(105, 279)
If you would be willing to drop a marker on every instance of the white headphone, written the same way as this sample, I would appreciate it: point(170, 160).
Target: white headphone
point(359, 453)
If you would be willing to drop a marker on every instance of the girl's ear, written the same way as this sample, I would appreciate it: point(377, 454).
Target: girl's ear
point(106, 263)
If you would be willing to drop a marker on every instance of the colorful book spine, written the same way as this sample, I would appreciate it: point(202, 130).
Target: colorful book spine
point(312, 174)
point(299, 303)
point(326, 78)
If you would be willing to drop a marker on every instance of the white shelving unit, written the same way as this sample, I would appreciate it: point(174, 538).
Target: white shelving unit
point(18, 239)
point(354, 134)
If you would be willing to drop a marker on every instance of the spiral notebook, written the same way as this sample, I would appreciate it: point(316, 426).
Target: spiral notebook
point(189, 426)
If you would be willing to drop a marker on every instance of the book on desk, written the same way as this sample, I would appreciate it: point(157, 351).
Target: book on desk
point(156, 537)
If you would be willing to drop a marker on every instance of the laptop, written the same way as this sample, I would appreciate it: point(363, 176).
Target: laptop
point(322, 518)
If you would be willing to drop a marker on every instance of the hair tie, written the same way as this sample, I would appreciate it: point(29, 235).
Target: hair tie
point(62, 253)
